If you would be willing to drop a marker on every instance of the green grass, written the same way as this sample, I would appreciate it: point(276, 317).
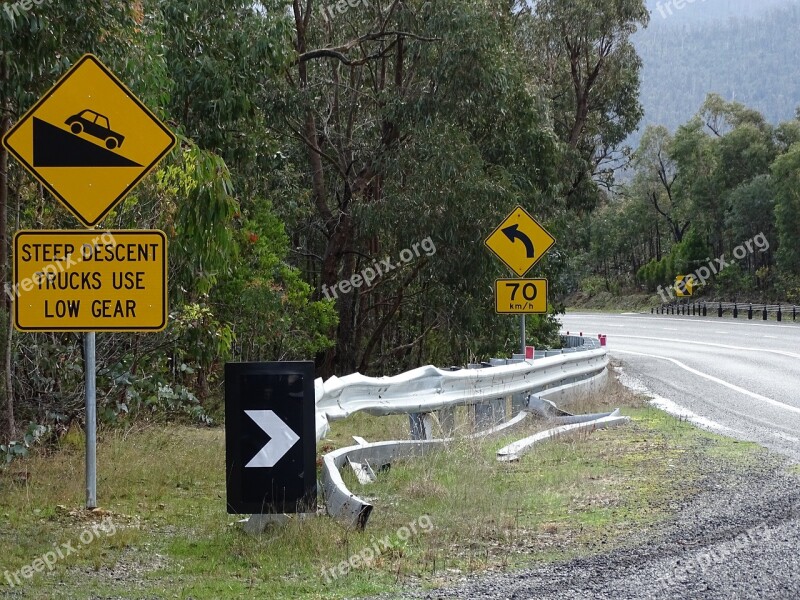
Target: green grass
point(164, 489)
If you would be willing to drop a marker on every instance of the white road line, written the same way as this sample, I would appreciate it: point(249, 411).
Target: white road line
point(719, 381)
point(726, 346)
point(770, 337)
point(669, 329)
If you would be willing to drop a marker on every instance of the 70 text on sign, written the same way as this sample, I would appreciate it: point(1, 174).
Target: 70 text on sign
point(520, 296)
point(90, 280)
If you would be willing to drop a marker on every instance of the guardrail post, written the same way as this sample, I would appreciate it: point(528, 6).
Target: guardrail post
point(750, 312)
point(719, 314)
point(780, 314)
point(483, 410)
point(765, 314)
point(421, 426)
point(705, 310)
point(794, 313)
point(735, 311)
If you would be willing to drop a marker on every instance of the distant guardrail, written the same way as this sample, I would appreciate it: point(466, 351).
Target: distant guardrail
point(745, 310)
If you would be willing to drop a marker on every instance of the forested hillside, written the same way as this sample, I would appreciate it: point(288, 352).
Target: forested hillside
point(744, 51)
point(718, 198)
point(336, 173)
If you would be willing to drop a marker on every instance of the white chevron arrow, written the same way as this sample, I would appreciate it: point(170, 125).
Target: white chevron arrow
point(282, 438)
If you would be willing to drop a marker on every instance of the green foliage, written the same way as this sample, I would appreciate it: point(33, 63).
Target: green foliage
point(786, 173)
point(267, 302)
point(201, 209)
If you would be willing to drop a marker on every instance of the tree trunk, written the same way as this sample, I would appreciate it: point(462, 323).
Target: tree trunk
point(7, 424)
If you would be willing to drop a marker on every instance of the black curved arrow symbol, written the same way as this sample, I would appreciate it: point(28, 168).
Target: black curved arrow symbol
point(513, 233)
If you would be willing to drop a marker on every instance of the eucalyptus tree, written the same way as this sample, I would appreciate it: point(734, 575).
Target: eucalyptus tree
point(413, 120)
point(582, 51)
point(786, 185)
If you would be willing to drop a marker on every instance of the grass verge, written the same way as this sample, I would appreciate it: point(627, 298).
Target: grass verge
point(163, 489)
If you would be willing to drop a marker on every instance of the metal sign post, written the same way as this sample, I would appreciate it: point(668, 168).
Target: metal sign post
point(90, 392)
point(522, 334)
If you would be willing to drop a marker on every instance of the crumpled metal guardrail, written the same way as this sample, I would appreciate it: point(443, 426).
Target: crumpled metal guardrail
point(518, 449)
point(351, 509)
point(429, 389)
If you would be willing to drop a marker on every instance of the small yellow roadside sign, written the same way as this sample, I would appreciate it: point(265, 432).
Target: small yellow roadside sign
point(520, 296)
point(684, 286)
point(89, 140)
point(520, 241)
point(90, 280)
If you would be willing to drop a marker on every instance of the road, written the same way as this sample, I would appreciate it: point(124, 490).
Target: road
point(738, 377)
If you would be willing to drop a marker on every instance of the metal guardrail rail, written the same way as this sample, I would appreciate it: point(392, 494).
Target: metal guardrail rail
point(427, 390)
point(735, 309)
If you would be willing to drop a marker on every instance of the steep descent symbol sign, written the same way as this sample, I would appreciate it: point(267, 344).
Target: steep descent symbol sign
point(519, 241)
point(282, 438)
point(89, 140)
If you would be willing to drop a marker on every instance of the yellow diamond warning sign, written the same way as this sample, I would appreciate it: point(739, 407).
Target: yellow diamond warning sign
point(90, 280)
point(519, 241)
point(89, 140)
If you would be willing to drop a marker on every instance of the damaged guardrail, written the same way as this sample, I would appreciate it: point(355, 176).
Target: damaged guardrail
point(429, 389)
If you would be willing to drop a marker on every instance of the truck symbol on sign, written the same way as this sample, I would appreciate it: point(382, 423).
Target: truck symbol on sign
point(96, 125)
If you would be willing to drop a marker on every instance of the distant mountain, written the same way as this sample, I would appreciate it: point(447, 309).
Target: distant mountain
point(744, 50)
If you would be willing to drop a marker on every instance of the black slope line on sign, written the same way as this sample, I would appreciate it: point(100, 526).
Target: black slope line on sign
point(56, 147)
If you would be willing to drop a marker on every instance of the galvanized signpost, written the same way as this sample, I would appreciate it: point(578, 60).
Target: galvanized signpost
point(90, 141)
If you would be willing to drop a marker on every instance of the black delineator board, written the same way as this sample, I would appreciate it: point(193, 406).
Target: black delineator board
point(270, 440)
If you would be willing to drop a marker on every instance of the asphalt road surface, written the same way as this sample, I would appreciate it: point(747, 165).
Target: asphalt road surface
point(740, 538)
point(741, 378)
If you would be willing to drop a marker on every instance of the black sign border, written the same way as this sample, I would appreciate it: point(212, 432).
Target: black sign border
point(234, 415)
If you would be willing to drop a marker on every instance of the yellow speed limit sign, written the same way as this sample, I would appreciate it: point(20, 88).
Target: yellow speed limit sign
point(520, 296)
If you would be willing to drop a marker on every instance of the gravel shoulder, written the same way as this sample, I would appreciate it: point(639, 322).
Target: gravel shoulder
point(738, 537)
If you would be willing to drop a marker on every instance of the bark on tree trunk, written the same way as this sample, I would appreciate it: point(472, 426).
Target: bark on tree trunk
point(7, 423)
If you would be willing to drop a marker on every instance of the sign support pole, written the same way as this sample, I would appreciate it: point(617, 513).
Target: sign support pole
point(522, 333)
point(91, 418)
